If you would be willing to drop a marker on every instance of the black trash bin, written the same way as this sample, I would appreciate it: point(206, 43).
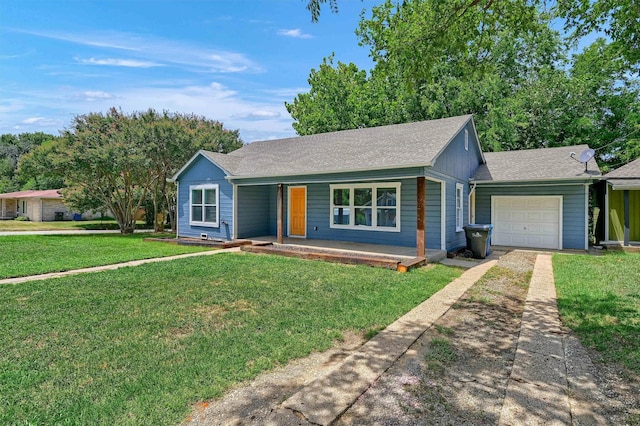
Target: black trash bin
point(478, 239)
point(58, 215)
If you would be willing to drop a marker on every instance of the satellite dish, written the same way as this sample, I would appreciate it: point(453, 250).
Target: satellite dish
point(587, 155)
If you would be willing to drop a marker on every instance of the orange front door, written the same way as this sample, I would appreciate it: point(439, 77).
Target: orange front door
point(298, 211)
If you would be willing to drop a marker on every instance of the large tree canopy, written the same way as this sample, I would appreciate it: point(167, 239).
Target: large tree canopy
point(12, 149)
point(501, 61)
point(115, 161)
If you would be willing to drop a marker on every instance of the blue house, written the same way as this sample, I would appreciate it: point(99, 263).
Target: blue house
point(415, 185)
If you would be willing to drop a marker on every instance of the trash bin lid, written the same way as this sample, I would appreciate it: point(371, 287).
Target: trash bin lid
point(478, 227)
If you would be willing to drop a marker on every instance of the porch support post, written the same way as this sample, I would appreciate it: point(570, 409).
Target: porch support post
point(626, 217)
point(280, 227)
point(420, 228)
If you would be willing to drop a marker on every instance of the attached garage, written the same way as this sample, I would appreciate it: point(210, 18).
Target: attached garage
point(529, 221)
point(536, 198)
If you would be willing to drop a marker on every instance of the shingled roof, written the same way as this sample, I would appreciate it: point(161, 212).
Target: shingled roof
point(627, 176)
point(535, 165)
point(46, 193)
point(374, 148)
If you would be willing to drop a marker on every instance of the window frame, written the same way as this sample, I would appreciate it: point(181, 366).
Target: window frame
point(203, 187)
point(374, 207)
point(466, 139)
point(459, 200)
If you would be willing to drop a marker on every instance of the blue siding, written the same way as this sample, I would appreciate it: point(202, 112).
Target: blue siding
point(573, 204)
point(456, 239)
point(202, 171)
point(455, 161)
point(433, 214)
point(319, 216)
point(253, 216)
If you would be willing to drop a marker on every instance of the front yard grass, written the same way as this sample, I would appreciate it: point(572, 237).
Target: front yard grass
point(599, 299)
point(24, 255)
point(18, 225)
point(142, 345)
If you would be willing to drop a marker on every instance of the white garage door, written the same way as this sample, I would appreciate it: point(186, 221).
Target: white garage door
point(527, 221)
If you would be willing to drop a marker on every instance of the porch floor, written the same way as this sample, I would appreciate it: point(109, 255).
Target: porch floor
point(400, 252)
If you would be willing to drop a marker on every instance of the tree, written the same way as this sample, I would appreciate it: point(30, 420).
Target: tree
point(314, 6)
point(172, 139)
point(518, 80)
point(12, 149)
point(116, 161)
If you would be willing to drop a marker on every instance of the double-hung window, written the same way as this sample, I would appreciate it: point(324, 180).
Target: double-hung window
point(459, 206)
point(366, 206)
point(204, 205)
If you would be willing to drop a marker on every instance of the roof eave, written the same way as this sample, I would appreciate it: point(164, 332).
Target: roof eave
point(191, 160)
point(408, 166)
point(541, 180)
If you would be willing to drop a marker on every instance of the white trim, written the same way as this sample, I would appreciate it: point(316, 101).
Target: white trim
point(466, 139)
point(289, 188)
point(606, 211)
point(560, 212)
point(586, 217)
point(472, 205)
point(204, 187)
point(368, 169)
point(234, 212)
point(177, 206)
point(374, 207)
point(460, 213)
point(443, 215)
point(523, 182)
point(174, 178)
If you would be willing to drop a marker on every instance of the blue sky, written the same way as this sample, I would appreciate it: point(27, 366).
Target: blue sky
point(232, 61)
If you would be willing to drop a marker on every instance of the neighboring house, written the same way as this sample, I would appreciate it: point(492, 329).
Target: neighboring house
point(405, 184)
point(38, 206)
point(622, 204)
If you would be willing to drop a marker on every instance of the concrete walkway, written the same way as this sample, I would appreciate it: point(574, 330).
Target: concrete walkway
point(539, 388)
point(69, 232)
point(111, 267)
point(325, 399)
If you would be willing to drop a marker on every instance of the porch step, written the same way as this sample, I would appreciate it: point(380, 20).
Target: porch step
point(352, 258)
point(416, 262)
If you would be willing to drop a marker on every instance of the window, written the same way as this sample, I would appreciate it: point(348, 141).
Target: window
point(24, 207)
point(203, 204)
point(466, 140)
point(374, 207)
point(459, 207)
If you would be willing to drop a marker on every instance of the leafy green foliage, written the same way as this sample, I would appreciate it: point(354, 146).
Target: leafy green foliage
point(13, 148)
point(599, 299)
point(114, 161)
point(141, 345)
point(502, 61)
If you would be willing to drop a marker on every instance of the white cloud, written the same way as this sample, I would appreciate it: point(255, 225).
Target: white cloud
point(145, 50)
point(39, 122)
point(52, 110)
point(261, 115)
point(295, 33)
point(130, 63)
point(94, 95)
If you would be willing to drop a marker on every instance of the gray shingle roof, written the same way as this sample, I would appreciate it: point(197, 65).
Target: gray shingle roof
point(394, 146)
point(535, 165)
point(625, 175)
point(630, 170)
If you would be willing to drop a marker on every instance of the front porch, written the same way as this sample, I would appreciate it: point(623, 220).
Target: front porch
point(386, 256)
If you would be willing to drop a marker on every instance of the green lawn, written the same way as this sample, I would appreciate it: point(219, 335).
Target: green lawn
point(142, 345)
point(19, 225)
point(24, 255)
point(599, 298)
